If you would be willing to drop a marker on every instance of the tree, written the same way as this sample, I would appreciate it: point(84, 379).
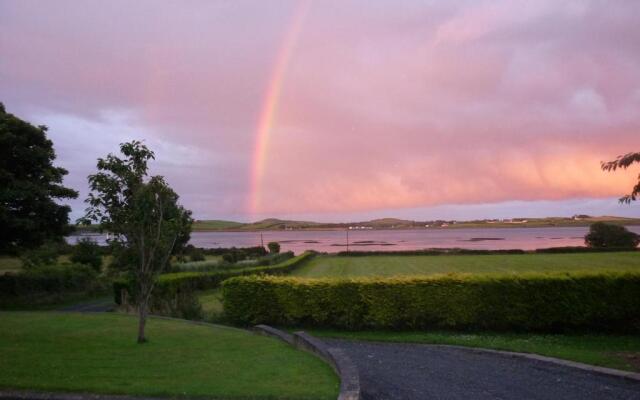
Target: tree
point(602, 235)
point(274, 247)
point(624, 162)
point(29, 187)
point(142, 213)
point(87, 252)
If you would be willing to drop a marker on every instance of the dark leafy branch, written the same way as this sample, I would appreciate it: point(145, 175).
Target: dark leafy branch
point(624, 162)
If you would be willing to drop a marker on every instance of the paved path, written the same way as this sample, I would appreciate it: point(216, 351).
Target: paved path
point(390, 371)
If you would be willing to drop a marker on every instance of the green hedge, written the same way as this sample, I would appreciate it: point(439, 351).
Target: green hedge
point(534, 302)
point(44, 282)
point(174, 293)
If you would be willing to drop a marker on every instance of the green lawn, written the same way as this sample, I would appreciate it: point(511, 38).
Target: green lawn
point(613, 351)
point(97, 353)
point(394, 265)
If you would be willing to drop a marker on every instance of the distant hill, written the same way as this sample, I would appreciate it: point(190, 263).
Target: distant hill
point(395, 223)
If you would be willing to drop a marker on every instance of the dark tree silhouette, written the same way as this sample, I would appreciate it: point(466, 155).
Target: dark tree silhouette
point(624, 162)
point(29, 186)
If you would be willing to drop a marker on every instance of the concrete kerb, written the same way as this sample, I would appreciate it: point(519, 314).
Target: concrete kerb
point(341, 363)
point(335, 357)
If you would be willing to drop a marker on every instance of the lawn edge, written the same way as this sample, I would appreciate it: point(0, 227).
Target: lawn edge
point(338, 360)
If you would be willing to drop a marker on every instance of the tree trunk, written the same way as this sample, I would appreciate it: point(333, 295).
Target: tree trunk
point(142, 320)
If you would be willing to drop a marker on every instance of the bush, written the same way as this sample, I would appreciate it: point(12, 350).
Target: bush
point(535, 302)
point(602, 235)
point(30, 285)
point(274, 247)
point(174, 293)
point(47, 254)
point(87, 252)
point(196, 255)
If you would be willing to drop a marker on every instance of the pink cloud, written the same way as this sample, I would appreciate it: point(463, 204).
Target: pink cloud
point(384, 105)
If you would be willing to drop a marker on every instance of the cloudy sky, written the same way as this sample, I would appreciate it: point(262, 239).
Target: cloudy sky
point(339, 110)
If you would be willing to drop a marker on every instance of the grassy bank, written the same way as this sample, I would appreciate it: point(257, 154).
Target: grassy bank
point(385, 266)
point(613, 351)
point(98, 354)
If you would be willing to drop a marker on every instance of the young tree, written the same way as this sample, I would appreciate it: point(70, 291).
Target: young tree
point(624, 162)
point(142, 213)
point(29, 187)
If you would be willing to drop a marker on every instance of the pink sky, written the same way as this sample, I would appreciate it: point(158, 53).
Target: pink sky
point(416, 109)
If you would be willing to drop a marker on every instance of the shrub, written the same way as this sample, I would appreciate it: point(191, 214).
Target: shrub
point(30, 285)
point(196, 255)
point(174, 293)
point(274, 247)
point(87, 252)
point(47, 254)
point(602, 235)
point(535, 302)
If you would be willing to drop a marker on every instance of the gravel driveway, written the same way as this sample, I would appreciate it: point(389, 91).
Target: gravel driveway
point(414, 371)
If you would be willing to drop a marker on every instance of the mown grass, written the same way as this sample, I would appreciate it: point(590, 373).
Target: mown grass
point(97, 353)
point(395, 265)
point(613, 351)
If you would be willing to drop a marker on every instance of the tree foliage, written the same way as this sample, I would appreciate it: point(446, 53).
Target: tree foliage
point(624, 162)
point(274, 247)
point(602, 235)
point(142, 213)
point(87, 252)
point(29, 186)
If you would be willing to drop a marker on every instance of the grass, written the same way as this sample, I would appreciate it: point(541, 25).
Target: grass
point(211, 301)
point(97, 353)
point(613, 351)
point(394, 265)
point(215, 224)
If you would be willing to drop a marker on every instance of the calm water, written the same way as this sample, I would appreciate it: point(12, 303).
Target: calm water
point(389, 240)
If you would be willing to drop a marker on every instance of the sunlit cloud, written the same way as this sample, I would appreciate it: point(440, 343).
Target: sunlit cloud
point(384, 105)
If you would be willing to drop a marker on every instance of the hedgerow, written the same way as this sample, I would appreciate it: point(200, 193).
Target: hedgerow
point(533, 302)
point(174, 294)
point(47, 282)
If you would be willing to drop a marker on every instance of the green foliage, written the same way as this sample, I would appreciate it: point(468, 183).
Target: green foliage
point(624, 162)
point(87, 252)
point(196, 255)
point(174, 293)
point(602, 235)
point(532, 302)
point(47, 254)
point(32, 285)
point(274, 247)
point(29, 186)
point(144, 215)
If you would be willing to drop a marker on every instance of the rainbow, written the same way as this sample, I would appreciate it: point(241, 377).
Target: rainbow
point(270, 104)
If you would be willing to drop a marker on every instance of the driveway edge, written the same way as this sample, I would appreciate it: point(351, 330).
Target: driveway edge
point(335, 357)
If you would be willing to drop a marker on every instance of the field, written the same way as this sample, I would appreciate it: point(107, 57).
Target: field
point(98, 354)
point(612, 351)
point(395, 265)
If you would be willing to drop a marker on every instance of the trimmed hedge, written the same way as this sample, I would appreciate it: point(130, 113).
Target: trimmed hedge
point(173, 292)
point(43, 282)
point(534, 302)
